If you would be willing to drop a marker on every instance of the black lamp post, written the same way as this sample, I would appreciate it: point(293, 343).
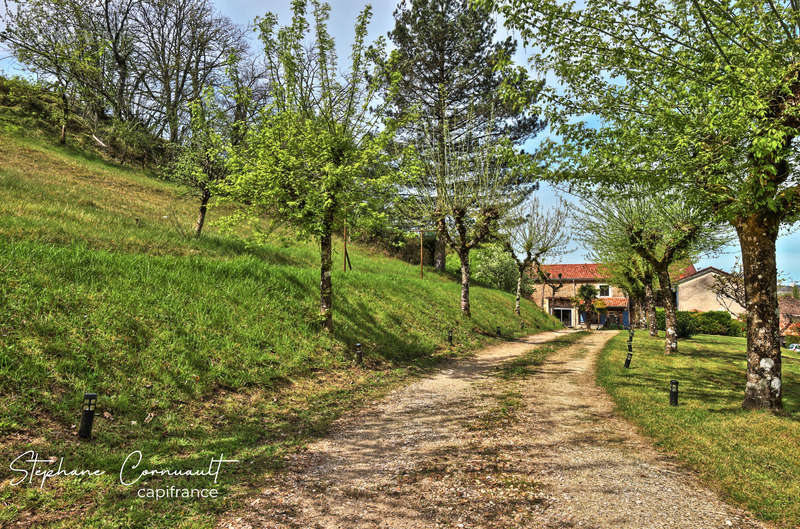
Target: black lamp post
point(673, 392)
point(359, 354)
point(628, 360)
point(450, 336)
point(87, 415)
point(498, 331)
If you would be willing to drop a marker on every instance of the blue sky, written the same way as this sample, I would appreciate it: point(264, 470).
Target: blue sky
point(343, 13)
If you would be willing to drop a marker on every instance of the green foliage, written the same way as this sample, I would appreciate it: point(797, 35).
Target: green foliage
point(712, 322)
point(315, 150)
point(686, 323)
point(214, 337)
point(494, 267)
point(452, 67)
point(202, 162)
point(717, 322)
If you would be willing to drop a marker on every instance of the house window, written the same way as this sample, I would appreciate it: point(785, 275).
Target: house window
point(605, 291)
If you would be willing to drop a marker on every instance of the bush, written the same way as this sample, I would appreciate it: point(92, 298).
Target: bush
point(715, 322)
point(790, 339)
point(738, 328)
point(687, 326)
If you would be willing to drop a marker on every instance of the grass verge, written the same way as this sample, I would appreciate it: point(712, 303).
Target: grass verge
point(751, 458)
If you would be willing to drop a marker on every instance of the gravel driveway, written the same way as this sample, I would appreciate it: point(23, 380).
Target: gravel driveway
point(468, 449)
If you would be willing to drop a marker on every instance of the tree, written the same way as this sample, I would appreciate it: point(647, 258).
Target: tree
point(634, 275)
point(536, 234)
point(710, 86)
point(661, 229)
point(586, 301)
point(44, 35)
point(477, 184)
point(546, 279)
point(183, 56)
point(455, 76)
point(202, 162)
point(318, 146)
point(728, 288)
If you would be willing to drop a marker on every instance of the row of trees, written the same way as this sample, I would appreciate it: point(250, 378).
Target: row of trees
point(425, 137)
point(128, 68)
point(696, 99)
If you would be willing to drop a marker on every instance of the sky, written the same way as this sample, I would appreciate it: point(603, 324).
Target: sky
point(342, 20)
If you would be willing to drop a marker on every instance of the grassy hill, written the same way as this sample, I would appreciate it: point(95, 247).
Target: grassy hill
point(196, 347)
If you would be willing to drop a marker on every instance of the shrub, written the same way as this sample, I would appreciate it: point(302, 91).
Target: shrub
point(687, 326)
point(715, 322)
point(790, 339)
point(738, 328)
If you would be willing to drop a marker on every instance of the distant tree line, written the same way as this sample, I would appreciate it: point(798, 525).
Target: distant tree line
point(128, 68)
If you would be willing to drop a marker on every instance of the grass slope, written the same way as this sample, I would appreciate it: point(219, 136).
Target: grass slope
point(197, 347)
point(752, 458)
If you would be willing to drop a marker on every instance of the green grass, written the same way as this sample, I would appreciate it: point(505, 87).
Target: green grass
point(751, 458)
point(197, 347)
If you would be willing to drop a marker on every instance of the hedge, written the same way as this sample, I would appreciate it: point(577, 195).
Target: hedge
point(717, 322)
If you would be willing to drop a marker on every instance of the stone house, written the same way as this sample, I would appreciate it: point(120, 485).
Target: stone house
point(558, 301)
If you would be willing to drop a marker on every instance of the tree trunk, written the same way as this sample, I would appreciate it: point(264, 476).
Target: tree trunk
point(201, 218)
point(636, 317)
point(650, 307)
point(757, 236)
point(440, 250)
point(520, 271)
point(671, 319)
point(463, 255)
point(326, 264)
point(62, 139)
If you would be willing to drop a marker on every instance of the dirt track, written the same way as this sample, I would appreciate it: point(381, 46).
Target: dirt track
point(465, 449)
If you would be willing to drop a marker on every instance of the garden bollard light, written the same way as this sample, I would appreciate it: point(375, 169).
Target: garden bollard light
point(498, 331)
point(450, 336)
point(359, 354)
point(628, 360)
point(673, 393)
point(87, 415)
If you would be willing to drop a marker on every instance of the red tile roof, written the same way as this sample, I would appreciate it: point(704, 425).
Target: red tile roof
point(615, 302)
point(688, 271)
point(586, 271)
